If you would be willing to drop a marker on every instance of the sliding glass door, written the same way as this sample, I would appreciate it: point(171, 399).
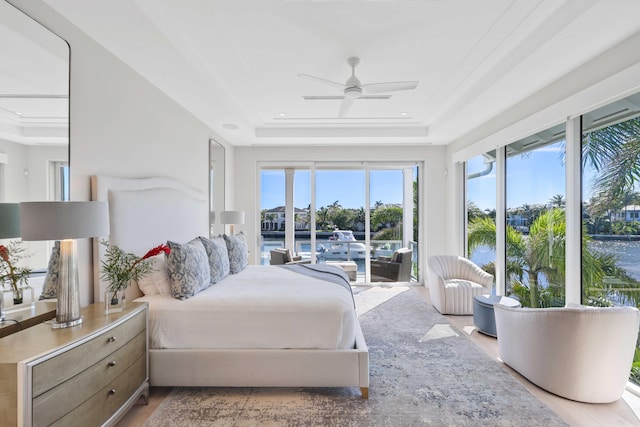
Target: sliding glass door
point(341, 213)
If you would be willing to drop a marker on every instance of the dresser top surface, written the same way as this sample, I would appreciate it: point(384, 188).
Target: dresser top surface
point(42, 338)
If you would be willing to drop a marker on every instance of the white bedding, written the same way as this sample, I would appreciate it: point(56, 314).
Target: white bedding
point(262, 307)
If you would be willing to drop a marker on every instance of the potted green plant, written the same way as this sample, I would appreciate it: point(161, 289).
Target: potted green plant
point(119, 268)
point(10, 272)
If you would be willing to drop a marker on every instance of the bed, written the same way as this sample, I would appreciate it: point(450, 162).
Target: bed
point(306, 351)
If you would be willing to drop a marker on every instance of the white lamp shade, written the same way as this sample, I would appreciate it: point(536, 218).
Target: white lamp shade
point(9, 220)
point(232, 217)
point(63, 220)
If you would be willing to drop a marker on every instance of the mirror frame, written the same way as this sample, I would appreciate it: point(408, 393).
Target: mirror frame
point(216, 187)
point(55, 129)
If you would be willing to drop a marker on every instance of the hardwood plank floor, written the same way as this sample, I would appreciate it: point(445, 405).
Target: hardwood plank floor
point(624, 412)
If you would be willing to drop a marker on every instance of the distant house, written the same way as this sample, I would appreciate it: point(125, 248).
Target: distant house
point(518, 221)
point(630, 213)
point(274, 219)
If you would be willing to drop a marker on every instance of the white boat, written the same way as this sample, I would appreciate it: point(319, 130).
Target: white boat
point(342, 245)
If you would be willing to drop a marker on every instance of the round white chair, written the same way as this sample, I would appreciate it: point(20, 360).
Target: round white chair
point(577, 352)
point(454, 281)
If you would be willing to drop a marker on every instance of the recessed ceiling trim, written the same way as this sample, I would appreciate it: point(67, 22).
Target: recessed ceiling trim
point(348, 132)
point(31, 96)
point(344, 120)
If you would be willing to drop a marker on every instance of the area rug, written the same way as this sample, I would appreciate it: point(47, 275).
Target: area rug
point(423, 372)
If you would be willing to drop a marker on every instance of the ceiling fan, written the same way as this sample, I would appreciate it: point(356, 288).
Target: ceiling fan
point(353, 89)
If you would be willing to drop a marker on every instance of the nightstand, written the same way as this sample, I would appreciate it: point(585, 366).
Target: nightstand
point(89, 374)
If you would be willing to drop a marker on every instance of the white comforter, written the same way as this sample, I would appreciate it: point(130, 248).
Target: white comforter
point(262, 307)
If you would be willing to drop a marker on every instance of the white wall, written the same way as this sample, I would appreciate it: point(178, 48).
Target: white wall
point(121, 125)
point(434, 219)
point(14, 182)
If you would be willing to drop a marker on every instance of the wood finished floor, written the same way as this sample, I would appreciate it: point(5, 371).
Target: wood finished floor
point(624, 412)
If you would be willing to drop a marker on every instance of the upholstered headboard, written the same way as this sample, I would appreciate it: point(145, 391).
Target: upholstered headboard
point(144, 212)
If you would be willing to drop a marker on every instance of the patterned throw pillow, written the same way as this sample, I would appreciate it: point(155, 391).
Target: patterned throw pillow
point(238, 252)
point(188, 268)
point(218, 257)
point(50, 287)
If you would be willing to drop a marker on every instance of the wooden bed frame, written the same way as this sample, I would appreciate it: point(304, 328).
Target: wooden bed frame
point(145, 212)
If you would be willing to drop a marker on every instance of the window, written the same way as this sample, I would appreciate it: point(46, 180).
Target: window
point(610, 204)
point(535, 219)
point(611, 200)
point(480, 190)
point(605, 226)
point(60, 181)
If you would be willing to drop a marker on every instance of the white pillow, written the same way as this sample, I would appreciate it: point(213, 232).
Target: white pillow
point(156, 282)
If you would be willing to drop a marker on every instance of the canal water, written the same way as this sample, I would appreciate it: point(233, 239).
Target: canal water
point(627, 252)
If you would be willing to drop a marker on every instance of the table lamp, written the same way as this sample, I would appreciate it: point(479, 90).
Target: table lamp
point(9, 228)
point(65, 221)
point(232, 217)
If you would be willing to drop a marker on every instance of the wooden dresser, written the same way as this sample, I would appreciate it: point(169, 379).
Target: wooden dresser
point(86, 375)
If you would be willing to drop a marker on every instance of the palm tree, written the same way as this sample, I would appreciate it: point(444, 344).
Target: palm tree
point(538, 257)
point(473, 211)
point(557, 201)
point(322, 214)
point(614, 152)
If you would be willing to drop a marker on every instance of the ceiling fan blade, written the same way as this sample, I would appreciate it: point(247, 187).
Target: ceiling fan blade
point(325, 97)
point(345, 106)
point(321, 97)
point(321, 80)
point(389, 86)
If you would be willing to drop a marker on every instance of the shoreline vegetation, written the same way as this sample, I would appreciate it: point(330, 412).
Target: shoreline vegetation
point(628, 237)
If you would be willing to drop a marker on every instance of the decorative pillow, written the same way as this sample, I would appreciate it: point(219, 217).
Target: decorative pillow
point(188, 268)
point(216, 249)
point(50, 287)
point(238, 252)
point(156, 282)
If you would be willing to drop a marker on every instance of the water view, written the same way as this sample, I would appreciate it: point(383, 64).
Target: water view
point(626, 251)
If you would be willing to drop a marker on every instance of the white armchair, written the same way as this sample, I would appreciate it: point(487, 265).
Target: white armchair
point(577, 352)
point(453, 283)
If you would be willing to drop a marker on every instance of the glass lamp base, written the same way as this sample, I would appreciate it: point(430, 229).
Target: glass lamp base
point(56, 325)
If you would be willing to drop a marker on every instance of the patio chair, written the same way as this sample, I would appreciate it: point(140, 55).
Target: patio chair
point(397, 268)
point(281, 256)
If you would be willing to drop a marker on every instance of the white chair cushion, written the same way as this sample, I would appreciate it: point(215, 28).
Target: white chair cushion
point(459, 294)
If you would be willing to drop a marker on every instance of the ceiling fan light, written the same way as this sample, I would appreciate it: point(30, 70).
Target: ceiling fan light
point(352, 92)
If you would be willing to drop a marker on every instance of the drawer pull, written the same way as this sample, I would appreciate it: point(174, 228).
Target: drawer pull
point(112, 363)
point(111, 339)
point(112, 391)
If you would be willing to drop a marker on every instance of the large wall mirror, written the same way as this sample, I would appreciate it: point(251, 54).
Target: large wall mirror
point(216, 187)
point(34, 117)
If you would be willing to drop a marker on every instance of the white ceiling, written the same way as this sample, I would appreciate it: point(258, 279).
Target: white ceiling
point(235, 63)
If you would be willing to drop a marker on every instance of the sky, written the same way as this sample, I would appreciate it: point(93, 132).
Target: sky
point(532, 178)
point(346, 186)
